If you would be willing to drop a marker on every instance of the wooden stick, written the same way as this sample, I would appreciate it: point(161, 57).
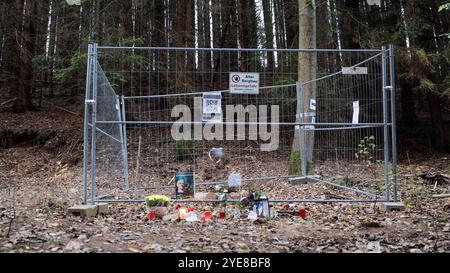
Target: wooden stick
point(445, 195)
point(68, 111)
point(8, 101)
point(138, 156)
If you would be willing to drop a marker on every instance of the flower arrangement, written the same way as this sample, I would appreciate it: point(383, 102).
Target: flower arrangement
point(157, 201)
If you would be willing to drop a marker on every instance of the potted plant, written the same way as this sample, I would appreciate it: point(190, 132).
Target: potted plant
point(158, 205)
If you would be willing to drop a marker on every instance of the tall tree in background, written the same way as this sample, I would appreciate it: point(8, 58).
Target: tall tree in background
point(268, 31)
point(183, 36)
point(247, 30)
point(23, 101)
point(306, 71)
point(290, 8)
point(431, 60)
point(350, 21)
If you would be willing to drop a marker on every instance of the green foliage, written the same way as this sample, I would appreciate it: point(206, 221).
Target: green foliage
point(39, 61)
point(284, 80)
point(366, 149)
point(132, 42)
point(424, 58)
point(309, 3)
point(295, 163)
point(116, 78)
point(427, 85)
point(443, 7)
point(135, 59)
point(77, 62)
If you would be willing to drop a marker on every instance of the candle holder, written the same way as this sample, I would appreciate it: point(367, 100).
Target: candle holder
point(182, 212)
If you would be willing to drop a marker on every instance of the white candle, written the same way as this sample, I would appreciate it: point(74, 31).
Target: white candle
point(182, 213)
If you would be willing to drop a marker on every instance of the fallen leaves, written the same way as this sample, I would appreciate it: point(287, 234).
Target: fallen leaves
point(423, 227)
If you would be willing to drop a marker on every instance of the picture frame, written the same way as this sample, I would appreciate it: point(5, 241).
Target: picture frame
point(184, 185)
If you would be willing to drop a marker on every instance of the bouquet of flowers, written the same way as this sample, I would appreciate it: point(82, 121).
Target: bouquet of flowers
point(157, 201)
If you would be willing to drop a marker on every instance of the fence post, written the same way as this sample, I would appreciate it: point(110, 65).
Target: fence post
point(385, 124)
point(393, 119)
point(86, 125)
point(123, 127)
point(301, 112)
point(94, 120)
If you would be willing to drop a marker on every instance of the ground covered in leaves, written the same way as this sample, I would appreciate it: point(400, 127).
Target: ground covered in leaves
point(40, 180)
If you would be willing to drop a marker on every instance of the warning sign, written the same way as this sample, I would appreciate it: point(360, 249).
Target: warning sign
point(244, 83)
point(354, 70)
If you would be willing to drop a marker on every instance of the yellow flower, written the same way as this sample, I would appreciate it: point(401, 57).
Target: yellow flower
point(157, 200)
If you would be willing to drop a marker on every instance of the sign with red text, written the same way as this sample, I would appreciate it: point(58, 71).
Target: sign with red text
point(244, 83)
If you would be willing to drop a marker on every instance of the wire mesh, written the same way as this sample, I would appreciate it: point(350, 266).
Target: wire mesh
point(110, 174)
point(135, 145)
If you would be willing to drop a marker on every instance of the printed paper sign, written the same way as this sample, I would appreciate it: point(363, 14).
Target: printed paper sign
point(309, 114)
point(244, 83)
point(355, 112)
point(354, 70)
point(311, 127)
point(212, 106)
point(312, 104)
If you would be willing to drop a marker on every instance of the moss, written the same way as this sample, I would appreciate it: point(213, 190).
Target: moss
point(295, 163)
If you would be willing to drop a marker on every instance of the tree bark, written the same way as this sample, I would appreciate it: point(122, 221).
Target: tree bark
point(306, 72)
point(23, 102)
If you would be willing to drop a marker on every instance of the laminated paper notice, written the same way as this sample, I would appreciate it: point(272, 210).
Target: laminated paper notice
point(312, 104)
point(212, 107)
point(355, 112)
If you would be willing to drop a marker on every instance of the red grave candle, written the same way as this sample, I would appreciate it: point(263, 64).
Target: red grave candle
point(302, 213)
point(151, 215)
point(207, 216)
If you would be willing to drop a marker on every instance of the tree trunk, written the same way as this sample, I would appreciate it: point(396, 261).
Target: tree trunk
point(291, 18)
point(438, 131)
point(23, 102)
point(306, 72)
point(247, 31)
point(268, 31)
point(349, 22)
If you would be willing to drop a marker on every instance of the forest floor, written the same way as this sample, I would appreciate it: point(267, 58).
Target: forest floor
point(41, 176)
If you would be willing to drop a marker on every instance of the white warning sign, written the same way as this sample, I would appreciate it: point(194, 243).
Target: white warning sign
point(354, 70)
point(312, 104)
point(355, 119)
point(244, 83)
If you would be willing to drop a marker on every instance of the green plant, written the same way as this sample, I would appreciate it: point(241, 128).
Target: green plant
point(295, 163)
point(157, 201)
point(444, 6)
point(77, 61)
point(366, 149)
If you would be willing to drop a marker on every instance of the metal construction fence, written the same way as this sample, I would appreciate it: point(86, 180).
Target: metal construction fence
point(148, 115)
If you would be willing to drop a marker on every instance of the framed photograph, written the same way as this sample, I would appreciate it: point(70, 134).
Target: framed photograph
point(184, 185)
